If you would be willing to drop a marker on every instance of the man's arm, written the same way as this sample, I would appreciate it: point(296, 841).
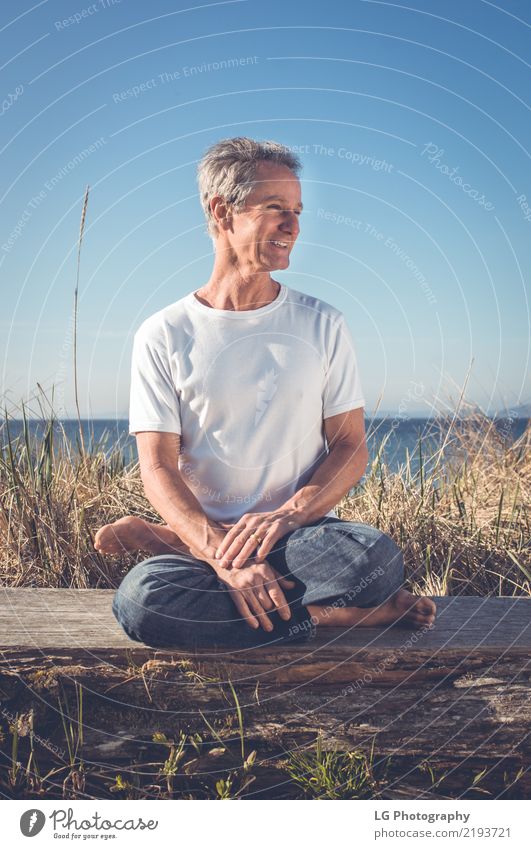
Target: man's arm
point(165, 489)
point(339, 472)
point(344, 465)
point(255, 591)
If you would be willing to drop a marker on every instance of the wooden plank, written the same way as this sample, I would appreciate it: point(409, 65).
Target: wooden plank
point(41, 627)
point(61, 618)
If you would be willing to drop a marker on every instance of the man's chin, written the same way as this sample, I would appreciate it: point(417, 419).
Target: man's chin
point(277, 264)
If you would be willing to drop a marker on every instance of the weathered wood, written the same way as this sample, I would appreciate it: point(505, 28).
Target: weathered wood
point(457, 695)
point(77, 626)
point(464, 723)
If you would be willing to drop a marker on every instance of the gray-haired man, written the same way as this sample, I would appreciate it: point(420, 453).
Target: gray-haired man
point(247, 407)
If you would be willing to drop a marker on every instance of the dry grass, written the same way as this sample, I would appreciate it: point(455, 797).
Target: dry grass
point(52, 500)
point(463, 519)
point(463, 525)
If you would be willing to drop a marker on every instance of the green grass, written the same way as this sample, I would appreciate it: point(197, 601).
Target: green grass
point(322, 774)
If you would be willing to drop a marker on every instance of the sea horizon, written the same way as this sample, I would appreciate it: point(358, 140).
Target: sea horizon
point(405, 439)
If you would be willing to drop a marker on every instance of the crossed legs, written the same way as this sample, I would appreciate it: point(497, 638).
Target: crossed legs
point(346, 573)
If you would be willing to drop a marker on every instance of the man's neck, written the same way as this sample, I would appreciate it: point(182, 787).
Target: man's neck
point(237, 293)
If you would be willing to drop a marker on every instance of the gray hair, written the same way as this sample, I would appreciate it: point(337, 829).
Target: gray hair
point(228, 168)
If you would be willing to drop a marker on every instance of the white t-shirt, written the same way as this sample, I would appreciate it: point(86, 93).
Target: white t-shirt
point(248, 391)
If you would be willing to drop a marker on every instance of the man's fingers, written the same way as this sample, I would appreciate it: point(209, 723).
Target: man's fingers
point(240, 551)
point(287, 583)
point(243, 608)
point(279, 600)
point(239, 558)
point(267, 544)
point(228, 539)
point(258, 610)
point(263, 598)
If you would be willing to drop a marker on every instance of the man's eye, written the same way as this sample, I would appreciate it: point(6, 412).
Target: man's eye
point(277, 206)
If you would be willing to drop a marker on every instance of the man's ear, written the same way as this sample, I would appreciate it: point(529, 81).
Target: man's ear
point(221, 211)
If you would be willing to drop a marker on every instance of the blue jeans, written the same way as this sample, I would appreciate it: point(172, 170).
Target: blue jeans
point(177, 601)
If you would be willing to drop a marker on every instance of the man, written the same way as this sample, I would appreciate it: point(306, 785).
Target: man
point(248, 412)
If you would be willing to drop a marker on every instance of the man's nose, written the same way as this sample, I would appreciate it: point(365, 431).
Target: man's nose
point(290, 223)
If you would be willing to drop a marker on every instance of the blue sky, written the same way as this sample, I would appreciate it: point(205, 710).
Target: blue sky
point(412, 123)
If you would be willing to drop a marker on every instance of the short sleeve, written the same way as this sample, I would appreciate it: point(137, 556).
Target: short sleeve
point(154, 400)
point(342, 383)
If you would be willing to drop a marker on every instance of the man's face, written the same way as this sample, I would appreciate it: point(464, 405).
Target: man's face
point(264, 232)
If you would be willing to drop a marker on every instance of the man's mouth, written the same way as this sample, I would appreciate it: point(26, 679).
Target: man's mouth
point(282, 245)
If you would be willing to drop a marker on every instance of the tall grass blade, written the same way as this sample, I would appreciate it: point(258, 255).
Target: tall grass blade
point(76, 292)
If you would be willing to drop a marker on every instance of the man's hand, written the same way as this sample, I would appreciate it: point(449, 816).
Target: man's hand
point(256, 590)
point(241, 543)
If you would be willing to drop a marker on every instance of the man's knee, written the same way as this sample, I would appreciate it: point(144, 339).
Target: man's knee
point(357, 539)
point(382, 565)
point(343, 537)
point(148, 601)
point(346, 551)
point(386, 557)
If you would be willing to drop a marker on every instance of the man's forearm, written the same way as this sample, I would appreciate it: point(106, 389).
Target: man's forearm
point(178, 506)
point(337, 474)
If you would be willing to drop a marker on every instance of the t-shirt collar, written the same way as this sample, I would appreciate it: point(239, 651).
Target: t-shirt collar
point(238, 314)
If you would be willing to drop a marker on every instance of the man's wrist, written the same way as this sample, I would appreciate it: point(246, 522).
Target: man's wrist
point(302, 506)
point(206, 543)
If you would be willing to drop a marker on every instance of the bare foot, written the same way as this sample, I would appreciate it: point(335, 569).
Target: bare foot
point(403, 606)
point(135, 534)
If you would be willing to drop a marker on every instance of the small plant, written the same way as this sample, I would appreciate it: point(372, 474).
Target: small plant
point(237, 781)
point(73, 729)
point(324, 774)
point(176, 755)
point(515, 782)
point(16, 765)
point(426, 767)
point(240, 778)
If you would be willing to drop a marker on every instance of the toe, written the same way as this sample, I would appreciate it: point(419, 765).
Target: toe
point(421, 616)
point(418, 619)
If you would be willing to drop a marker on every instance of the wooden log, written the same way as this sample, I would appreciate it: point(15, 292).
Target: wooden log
point(77, 626)
point(456, 696)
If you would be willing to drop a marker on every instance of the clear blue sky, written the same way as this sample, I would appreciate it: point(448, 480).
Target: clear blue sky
point(413, 123)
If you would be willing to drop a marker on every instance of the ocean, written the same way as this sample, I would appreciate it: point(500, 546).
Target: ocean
point(400, 437)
